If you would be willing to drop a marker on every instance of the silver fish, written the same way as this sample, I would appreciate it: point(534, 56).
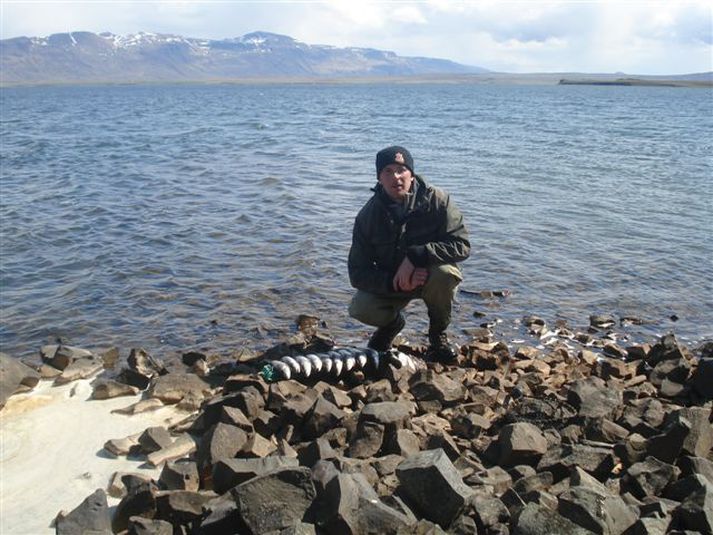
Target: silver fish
point(327, 364)
point(282, 368)
point(361, 360)
point(292, 363)
point(305, 365)
point(349, 362)
point(337, 365)
point(316, 362)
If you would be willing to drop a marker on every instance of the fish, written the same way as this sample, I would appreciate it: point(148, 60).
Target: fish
point(361, 359)
point(327, 364)
point(350, 362)
point(305, 365)
point(282, 368)
point(292, 363)
point(338, 364)
point(316, 362)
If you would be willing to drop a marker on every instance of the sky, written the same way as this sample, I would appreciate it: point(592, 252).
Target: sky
point(627, 36)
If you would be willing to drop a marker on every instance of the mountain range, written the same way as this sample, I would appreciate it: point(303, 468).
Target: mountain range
point(85, 57)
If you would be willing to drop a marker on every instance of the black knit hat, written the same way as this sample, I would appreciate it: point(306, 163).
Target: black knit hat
point(391, 155)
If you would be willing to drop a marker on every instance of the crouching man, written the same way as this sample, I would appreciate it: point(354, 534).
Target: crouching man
point(406, 242)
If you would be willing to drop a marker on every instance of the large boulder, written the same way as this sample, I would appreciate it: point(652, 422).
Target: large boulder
point(276, 500)
point(434, 485)
point(594, 399)
point(521, 443)
point(13, 375)
point(91, 516)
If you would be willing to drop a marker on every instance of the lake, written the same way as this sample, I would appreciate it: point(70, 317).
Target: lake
point(178, 217)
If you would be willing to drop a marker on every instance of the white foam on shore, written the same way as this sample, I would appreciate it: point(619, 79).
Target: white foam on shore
point(51, 451)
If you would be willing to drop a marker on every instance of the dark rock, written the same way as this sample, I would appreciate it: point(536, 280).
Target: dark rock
point(314, 451)
point(321, 418)
point(140, 500)
point(227, 473)
point(294, 410)
point(696, 512)
point(696, 465)
point(699, 441)
point(222, 441)
point(90, 516)
point(62, 356)
point(182, 475)
point(79, 369)
point(140, 361)
point(181, 506)
point(154, 439)
point(380, 391)
point(257, 446)
point(702, 378)
point(535, 519)
point(266, 423)
point(594, 399)
point(234, 416)
point(352, 507)
point(470, 425)
point(649, 526)
point(139, 525)
point(684, 487)
point(221, 517)
point(427, 385)
point(276, 500)
point(632, 449)
point(534, 483)
point(521, 443)
point(667, 348)
point(648, 477)
point(602, 513)
point(604, 430)
point(668, 445)
point(108, 388)
point(367, 441)
point(133, 378)
point(434, 485)
point(490, 511)
point(602, 321)
point(403, 443)
point(13, 375)
point(175, 387)
point(391, 414)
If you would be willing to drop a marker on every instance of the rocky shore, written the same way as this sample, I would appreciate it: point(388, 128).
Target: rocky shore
point(567, 433)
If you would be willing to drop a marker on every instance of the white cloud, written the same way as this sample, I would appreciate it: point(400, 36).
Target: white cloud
point(633, 36)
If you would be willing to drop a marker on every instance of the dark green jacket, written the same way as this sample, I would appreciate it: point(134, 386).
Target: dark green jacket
point(429, 229)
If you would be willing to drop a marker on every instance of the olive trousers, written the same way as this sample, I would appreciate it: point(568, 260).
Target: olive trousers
point(438, 293)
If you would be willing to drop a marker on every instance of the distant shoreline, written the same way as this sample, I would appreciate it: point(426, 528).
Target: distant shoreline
point(474, 79)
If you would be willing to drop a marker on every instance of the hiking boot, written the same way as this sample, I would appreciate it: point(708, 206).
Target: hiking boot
point(441, 349)
point(383, 336)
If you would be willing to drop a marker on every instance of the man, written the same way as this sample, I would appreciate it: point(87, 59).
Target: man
point(406, 241)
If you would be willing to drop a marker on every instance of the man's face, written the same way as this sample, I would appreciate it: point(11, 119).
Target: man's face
point(396, 179)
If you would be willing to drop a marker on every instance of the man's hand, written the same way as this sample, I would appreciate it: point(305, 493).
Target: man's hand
point(408, 277)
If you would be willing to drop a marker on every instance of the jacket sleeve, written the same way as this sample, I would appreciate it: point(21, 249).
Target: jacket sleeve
point(451, 246)
point(364, 274)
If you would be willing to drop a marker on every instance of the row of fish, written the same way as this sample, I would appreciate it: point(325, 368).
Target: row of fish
point(334, 363)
